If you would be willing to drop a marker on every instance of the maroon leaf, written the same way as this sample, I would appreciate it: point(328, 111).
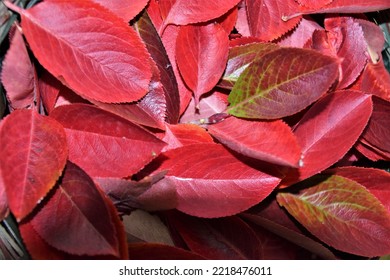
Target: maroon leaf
point(125, 9)
point(49, 89)
point(224, 238)
point(201, 54)
point(104, 144)
point(282, 83)
point(342, 213)
point(212, 182)
point(370, 151)
point(268, 141)
point(76, 219)
point(17, 74)
point(33, 155)
point(155, 251)
point(265, 18)
point(110, 61)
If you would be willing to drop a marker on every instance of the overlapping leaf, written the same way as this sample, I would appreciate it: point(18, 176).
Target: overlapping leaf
point(212, 182)
point(76, 42)
point(33, 154)
point(104, 144)
point(282, 83)
point(125, 9)
point(342, 213)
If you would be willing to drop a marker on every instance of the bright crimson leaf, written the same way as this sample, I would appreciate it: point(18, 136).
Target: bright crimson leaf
point(343, 214)
point(104, 144)
point(224, 238)
point(75, 40)
point(157, 251)
point(212, 182)
point(268, 141)
point(329, 121)
point(282, 83)
point(33, 154)
point(125, 9)
point(201, 55)
point(265, 18)
point(76, 219)
point(17, 74)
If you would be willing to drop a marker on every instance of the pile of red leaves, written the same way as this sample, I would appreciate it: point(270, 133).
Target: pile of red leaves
point(197, 129)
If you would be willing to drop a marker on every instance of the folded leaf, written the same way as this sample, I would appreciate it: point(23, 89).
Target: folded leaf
point(97, 61)
point(343, 214)
point(282, 83)
point(33, 154)
point(212, 182)
point(273, 142)
point(104, 144)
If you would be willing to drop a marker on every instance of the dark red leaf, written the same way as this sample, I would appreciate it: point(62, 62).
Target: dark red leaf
point(49, 89)
point(212, 182)
point(104, 144)
point(155, 251)
point(282, 83)
point(17, 75)
point(201, 55)
point(273, 141)
point(97, 61)
point(370, 151)
point(342, 213)
point(33, 154)
point(224, 238)
point(265, 18)
point(76, 219)
point(125, 9)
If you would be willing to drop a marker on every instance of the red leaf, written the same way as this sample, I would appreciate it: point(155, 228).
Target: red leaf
point(104, 144)
point(342, 213)
point(302, 76)
point(225, 238)
point(184, 134)
point(201, 54)
point(374, 38)
point(329, 121)
point(265, 18)
point(371, 152)
point(375, 180)
point(76, 219)
point(83, 31)
point(268, 141)
point(33, 154)
point(375, 79)
point(314, 3)
point(49, 89)
point(185, 12)
point(3, 199)
point(228, 20)
point(125, 9)
point(155, 251)
point(212, 182)
point(17, 74)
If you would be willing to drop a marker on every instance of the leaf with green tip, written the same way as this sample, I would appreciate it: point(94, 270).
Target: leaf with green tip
point(343, 214)
point(282, 83)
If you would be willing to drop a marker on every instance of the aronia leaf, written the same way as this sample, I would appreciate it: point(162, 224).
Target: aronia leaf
point(125, 9)
point(343, 214)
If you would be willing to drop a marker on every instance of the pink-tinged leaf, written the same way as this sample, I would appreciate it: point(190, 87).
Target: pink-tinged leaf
point(301, 34)
point(4, 210)
point(156, 49)
point(75, 218)
point(33, 154)
point(201, 55)
point(273, 141)
point(329, 121)
point(185, 12)
point(17, 75)
point(375, 180)
point(125, 9)
point(272, 217)
point(347, 41)
point(282, 83)
point(343, 214)
point(377, 132)
point(212, 182)
point(374, 38)
point(265, 18)
point(184, 134)
point(157, 251)
point(76, 42)
point(242, 24)
point(314, 3)
point(104, 144)
point(208, 105)
point(222, 239)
